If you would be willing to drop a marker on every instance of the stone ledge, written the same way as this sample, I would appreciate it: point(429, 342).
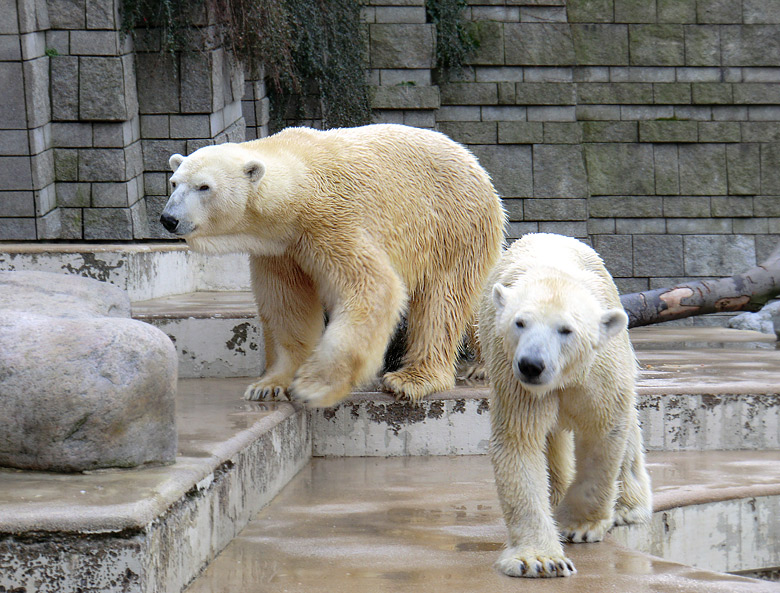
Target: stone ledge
point(152, 529)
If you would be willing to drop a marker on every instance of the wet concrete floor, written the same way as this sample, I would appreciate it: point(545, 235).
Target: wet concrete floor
point(433, 524)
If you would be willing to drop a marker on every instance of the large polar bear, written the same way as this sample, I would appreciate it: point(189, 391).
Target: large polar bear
point(363, 223)
point(556, 345)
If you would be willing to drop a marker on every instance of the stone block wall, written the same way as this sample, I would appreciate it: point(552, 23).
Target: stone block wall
point(92, 116)
point(650, 129)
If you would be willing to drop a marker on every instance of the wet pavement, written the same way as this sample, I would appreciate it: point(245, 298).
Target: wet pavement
point(433, 524)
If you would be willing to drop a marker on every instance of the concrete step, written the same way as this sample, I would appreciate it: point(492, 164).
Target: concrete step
point(216, 334)
point(144, 270)
point(433, 524)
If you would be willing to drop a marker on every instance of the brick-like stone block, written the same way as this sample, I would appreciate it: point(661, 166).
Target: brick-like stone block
point(718, 11)
point(656, 45)
point(668, 131)
point(760, 131)
point(190, 126)
point(686, 206)
point(676, 11)
point(610, 131)
point(757, 93)
point(465, 93)
point(108, 224)
point(109, 195)
point(73, 195)
point(703, 169)
point(140, 219)
point(635, 11)
point(702, 45)
point(101, 89)
point(620, 169)
point(71, 223)
point(626, 206)
point(416, 51)
point(158, 83)
point(109, 135)
point(67, 14)
point(667, 169)
point(671, 93)
point(538, 44)
point(559, 171)
point(544, 93)
point(590, 11)
point(103, 14)
point(406, 97)
point(71, 134)
point(578, 229)
point(66, 164)
point(733, 206)
point(196, 85)
point(102, 164)
point(471, 132)
point(699, 226)
point(510, 167)
point(756, 12)
point(157, 152)
point(597, 45)
point(490, 37)
point(50, 225)
point(14, 143)
point(754, 45)
point(94, 43)
point(503, 113)
point(770, 172)
point(617, 253)
point(598, 112)
point(517, 132)
point(743, 163)
point(719, 131)
point(64, 88)
point(16, 173)
point(513, 208)
point(619, 93)
point(658, 255)
point(36, 92)
point(555, 209)
point(766, 206)
point(16, 204)
point(712, 93)
point(42, 169)
point(562, 132)
point(17, 229)
point(713, 255)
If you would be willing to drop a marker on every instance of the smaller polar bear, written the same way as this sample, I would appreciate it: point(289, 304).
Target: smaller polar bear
point(558, 355)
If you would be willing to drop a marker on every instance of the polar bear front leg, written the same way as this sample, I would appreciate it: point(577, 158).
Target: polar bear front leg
point(365, 298)
point(586, 512)
point(292, 319)
point(634, 503)
point(533, 549)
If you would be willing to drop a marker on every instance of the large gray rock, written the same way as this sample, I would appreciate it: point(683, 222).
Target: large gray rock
point(82, 386)
point(766, 321)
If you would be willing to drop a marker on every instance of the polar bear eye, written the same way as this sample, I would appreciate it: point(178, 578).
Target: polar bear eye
point(173, 184)
point(565, 331)
point(204, 187)
point(520, 323)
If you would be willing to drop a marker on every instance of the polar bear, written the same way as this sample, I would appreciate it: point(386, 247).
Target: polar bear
point(562, 373)
point(362, 223)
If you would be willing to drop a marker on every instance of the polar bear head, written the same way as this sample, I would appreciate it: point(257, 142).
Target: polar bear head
point(210, 190)
point(552, 327)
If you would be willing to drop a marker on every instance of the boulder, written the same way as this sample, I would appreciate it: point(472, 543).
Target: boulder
point(766, 321)
point(82, 386)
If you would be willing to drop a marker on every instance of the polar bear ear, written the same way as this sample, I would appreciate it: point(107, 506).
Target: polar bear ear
point(500, 294)
point(613, 322)
point(254, 170)
point(175, 161)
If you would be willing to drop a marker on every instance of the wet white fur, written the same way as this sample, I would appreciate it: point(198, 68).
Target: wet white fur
point(583, 402)
point(362, 222)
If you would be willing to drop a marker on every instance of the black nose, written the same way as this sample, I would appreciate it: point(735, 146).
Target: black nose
point(169, 222)
point(530, 367)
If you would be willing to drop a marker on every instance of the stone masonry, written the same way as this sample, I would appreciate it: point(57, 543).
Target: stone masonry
point(651, 129)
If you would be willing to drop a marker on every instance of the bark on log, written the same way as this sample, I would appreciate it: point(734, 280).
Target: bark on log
point(748, 291)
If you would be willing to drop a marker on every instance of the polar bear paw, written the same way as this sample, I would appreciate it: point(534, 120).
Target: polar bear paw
point(266, 390)
point(626, 515)
point(521, 563)
point(586, 532)
point(408, 383)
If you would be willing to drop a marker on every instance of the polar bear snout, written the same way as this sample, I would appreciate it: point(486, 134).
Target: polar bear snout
point(169, 222)
point(531, 369)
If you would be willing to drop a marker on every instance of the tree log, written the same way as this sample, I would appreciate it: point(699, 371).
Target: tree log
point(748, 291)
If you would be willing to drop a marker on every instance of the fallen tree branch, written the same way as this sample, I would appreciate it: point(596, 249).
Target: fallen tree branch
point(748, 291)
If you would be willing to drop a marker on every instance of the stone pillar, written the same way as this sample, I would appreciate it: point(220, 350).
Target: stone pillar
point(187, 99)
point(402, 49)
point(95, 127)
point(27, 198)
